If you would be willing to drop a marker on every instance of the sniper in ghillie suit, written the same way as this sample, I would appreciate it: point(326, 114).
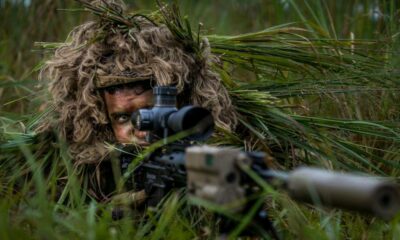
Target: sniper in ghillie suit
point(146, 123)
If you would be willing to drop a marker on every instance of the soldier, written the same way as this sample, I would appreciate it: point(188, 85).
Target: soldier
point(104, 72)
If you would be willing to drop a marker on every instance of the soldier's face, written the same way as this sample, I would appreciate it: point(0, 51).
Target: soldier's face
point(120, 106)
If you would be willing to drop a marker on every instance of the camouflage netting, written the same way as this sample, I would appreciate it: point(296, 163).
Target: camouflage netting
point(100, 53)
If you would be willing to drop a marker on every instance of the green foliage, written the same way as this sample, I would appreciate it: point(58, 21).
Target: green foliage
point(318, 85)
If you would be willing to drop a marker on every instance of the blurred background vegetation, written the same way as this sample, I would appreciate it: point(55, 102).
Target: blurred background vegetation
point(24, 22)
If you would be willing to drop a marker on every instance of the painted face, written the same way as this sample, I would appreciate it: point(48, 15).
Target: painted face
point(120, 106)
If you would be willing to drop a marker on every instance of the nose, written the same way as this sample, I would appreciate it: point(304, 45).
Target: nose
point(140, 134)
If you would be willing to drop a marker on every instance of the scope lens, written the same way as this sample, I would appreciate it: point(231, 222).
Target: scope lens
point(142, 120)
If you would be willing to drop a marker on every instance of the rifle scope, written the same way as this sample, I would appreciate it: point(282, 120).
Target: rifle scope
point(164, 119)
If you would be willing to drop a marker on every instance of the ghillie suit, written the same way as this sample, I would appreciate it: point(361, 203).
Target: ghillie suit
point(101, 54)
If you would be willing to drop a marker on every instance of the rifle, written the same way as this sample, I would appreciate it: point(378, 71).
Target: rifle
point(223, 175)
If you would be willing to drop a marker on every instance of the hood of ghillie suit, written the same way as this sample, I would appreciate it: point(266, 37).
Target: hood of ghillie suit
point(100, 54)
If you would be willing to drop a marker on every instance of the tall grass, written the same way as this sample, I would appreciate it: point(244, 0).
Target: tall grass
point(337, 108)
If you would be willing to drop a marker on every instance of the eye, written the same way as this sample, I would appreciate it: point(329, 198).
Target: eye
point(123, 118)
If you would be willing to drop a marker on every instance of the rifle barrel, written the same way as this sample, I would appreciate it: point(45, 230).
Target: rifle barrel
point(361, 193)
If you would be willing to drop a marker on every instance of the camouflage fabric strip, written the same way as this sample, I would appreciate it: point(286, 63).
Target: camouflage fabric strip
point(108, 81)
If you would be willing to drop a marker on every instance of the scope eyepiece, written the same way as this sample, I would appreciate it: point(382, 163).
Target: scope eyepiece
point(142, 119)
